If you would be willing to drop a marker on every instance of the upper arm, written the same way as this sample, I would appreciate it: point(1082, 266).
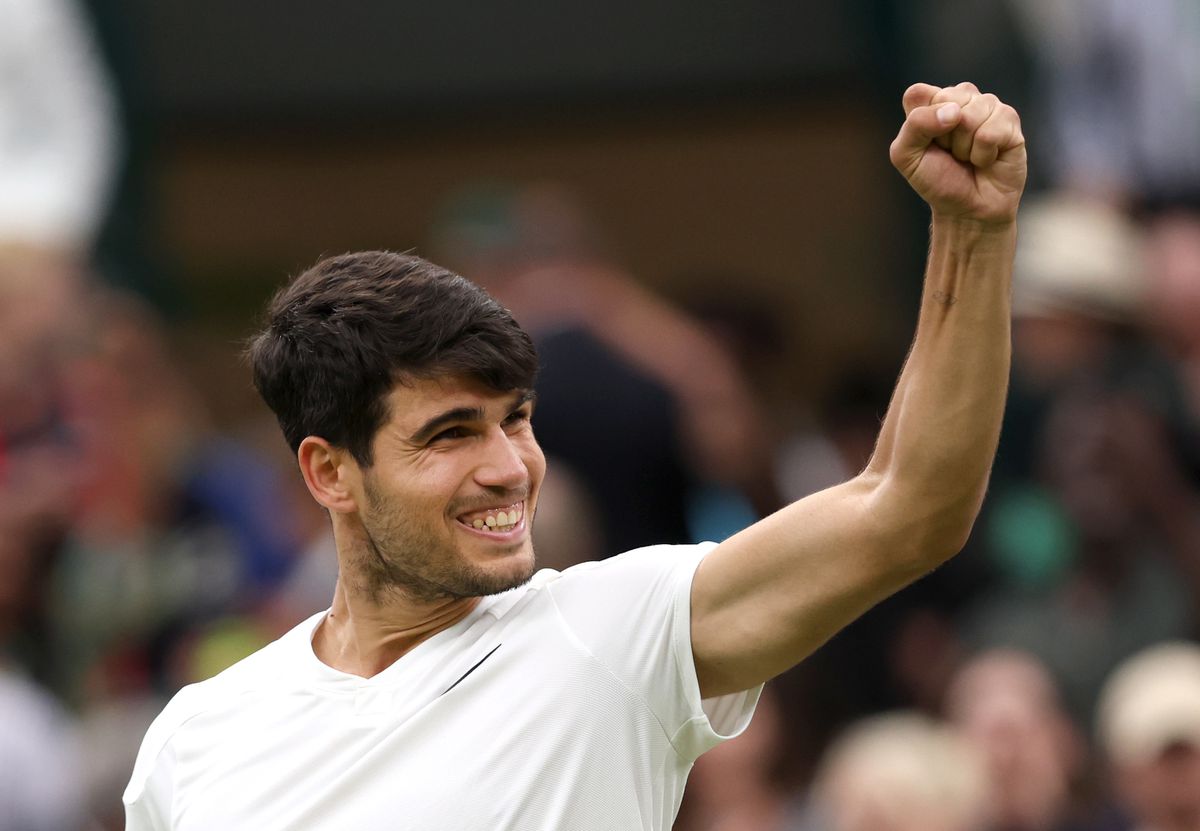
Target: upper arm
point(767, 597)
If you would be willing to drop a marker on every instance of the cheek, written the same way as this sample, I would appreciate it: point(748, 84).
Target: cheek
point(538, 455)
point(535, 463)
point(526, 446)
point(411, 492)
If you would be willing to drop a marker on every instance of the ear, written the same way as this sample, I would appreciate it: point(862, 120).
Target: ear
point(329, 473)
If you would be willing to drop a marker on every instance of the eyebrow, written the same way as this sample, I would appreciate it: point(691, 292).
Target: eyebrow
point(458, 414)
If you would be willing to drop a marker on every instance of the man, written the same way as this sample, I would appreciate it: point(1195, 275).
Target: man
point(449, 686)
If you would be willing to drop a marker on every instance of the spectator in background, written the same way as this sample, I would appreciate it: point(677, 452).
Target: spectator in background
point(1126, 572)
point(42, 784)
point(616, 360)
point(39, 468)
point(59, 138)
point(1078, 295)
point(177, 525)
point(1149, 729)
point(1092, 524)
point(133, 538)
point(1109, 69)
point(1173, 295)
point(900, 772)
point(1004, 703)
point(59, 143)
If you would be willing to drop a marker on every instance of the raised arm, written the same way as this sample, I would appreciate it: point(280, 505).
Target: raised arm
point(767, 597)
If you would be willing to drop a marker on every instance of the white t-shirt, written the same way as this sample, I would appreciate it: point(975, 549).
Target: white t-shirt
point(570, 704)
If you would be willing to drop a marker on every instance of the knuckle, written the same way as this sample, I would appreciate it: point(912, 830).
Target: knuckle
point(982, 107)
point(988, 135)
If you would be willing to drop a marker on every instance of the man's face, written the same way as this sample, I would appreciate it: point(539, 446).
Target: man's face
point(448, 503)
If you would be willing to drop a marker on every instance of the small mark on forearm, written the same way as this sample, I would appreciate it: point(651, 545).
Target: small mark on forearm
point(944, 298)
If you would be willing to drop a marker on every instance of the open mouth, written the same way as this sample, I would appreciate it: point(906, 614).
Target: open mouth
point(496, 520)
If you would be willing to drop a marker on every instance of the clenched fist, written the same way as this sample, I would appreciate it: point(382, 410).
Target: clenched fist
point(962, 151)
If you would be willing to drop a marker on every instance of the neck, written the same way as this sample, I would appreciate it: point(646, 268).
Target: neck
point(365, 632)
point(364, 639)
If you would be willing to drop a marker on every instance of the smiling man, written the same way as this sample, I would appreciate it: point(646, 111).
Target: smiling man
point(451, 685)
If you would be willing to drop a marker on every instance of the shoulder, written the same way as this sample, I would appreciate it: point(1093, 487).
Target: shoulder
point(263, 670)
point(639, 566)
point(638, 583)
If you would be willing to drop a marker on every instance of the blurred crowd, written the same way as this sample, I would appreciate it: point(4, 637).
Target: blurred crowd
point(1048, 679)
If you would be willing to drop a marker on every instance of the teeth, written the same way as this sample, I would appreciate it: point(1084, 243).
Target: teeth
point(500, 520)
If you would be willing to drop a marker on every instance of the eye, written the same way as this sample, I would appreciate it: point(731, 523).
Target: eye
point(449, 433)
point(517, 416)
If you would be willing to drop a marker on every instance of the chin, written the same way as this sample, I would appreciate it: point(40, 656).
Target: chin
point(511, 570)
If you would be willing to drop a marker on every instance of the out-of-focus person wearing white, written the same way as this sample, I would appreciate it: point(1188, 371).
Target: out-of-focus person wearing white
point(1109, 69)
point(1148, 724)
point(900, 771)
point(59, 133)
point(40, 781)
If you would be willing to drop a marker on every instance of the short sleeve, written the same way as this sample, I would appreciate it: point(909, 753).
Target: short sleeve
point(148, 796)
point(633, 613)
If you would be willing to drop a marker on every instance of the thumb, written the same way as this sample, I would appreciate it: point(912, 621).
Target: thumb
point(922, 126)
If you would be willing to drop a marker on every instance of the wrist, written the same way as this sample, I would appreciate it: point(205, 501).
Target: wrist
point(966, 222)
point(957, 229)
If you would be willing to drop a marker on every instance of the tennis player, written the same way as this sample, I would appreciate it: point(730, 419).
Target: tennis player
point(451, 685)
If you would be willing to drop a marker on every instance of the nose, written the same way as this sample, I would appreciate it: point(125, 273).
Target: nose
point(501, 465)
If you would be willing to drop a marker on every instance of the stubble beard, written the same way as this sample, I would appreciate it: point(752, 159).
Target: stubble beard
point(406, 558)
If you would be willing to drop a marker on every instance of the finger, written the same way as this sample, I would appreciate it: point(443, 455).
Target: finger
point(919, 95)
point(961, 95)
point(1000, 132)
point(923, 126)
point(922, 95)
point(974, 114)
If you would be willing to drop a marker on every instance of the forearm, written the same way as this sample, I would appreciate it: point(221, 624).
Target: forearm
point(769, 595)
point(939, 436)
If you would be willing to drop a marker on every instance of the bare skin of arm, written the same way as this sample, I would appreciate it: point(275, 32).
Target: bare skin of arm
point(767, 597)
